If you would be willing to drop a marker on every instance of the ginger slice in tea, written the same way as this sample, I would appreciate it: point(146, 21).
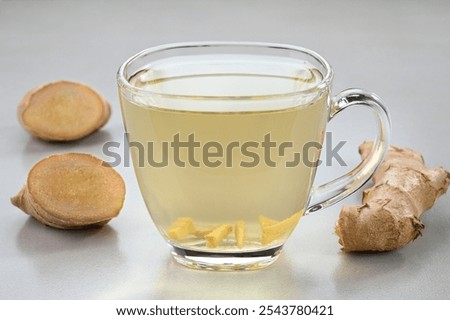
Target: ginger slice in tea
point(265, 222)
point(63, 111)
point(201, 232)
point(239, 233)
point(272, 229)
point(72, 191)
point(215, 237)
point(181, 228)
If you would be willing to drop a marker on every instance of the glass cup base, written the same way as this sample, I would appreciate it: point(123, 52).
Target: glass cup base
point(225, 261)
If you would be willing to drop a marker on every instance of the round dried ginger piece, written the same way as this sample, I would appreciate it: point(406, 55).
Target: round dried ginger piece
point(63, 111)
point(72, 191)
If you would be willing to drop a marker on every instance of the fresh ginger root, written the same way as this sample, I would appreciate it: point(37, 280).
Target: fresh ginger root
point(390, 215)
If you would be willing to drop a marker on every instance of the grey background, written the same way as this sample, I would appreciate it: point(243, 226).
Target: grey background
point(398, 49)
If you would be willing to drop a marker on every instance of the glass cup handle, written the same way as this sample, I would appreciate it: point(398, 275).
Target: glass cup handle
point(331, 192)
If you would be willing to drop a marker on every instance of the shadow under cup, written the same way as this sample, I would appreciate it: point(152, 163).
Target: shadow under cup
point(225, 140)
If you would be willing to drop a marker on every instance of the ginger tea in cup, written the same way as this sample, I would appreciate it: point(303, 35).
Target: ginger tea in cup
point(225, 140)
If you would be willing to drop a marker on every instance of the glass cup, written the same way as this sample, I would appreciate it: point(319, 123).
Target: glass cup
point(225, 139)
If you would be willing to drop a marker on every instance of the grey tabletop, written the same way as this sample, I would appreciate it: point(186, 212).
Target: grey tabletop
point(398, 49)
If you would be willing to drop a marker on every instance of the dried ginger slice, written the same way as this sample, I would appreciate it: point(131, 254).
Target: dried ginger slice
point(72, 191)
point(63, 111)
point(273, 229)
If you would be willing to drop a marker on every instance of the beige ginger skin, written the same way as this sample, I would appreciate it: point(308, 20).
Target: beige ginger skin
point(389, 216)
point(63, 111)
point(72, 191)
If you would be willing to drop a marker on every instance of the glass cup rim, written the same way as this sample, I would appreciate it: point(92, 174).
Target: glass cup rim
point(125, 84)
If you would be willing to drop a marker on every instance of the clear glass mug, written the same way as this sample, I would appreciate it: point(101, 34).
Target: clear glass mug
point(225, 139)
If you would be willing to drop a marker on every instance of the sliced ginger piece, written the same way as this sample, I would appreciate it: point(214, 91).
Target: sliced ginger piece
point(215, 237)
point(72, 191)
point(181, 228)
point(201, 232)
point(272, 229)
point(265, 222)
point(239, 231)
point(63, 111)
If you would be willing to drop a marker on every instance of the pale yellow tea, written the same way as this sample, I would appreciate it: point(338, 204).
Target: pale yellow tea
point(222, 174)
